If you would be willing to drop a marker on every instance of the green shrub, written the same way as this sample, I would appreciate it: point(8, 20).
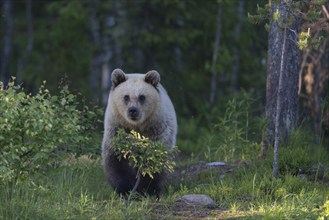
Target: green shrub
point(301, 155)
point(35, 129)
point(232, 137)
point(149, 157)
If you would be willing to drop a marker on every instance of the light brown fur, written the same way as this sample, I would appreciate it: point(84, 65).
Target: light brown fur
point(155, 119)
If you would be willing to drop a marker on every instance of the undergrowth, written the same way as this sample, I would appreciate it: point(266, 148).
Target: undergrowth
point(77, 189)
point(72, 192)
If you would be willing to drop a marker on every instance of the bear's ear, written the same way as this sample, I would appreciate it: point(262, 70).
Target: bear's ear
point(152, 77)
point(117, 77)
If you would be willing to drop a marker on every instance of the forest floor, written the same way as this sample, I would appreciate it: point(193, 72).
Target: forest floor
point(78, 190)
point(182, 210)
point(201, 171)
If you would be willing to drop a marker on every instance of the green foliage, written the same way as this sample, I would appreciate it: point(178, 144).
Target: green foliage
point(324, 211)
point(231, 136)
point(35, 129)
point(310, 16)
point(73, 192)
point(62, 48)
point(78, 191)
point(149, 157)
point(191, 133)
point(175, 37)
point(301, 155)
point(276, 15)
point(251, 191)
point(262, 15)
point(303, 39)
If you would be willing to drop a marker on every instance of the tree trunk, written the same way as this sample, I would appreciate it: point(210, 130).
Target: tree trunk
point(315, 78)
point(29, 45)
point(314, 73)
point(108, 49)
point(106, 79)
point(7, 38)
point(96, 61)
point(290, 69)
point(119, 33)
point(214, 74)
point(107, 56)
point(236, 54)
point(113, 47)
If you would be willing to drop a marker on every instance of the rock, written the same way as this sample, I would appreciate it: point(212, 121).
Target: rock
point(215, 164)
point(198, 199)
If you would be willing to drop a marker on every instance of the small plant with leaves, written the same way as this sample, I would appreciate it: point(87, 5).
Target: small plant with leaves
point(35, 128)
point(230, 139)
point(149, 157)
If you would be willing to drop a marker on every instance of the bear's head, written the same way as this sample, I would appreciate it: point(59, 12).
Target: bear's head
point(135, 96)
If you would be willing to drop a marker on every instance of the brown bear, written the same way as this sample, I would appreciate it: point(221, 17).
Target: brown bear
point(136, 102)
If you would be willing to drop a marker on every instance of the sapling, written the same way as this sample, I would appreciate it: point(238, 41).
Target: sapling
point(147, 156)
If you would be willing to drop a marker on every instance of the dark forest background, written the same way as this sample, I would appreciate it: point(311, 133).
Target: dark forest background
point(248, 79)
point(207, 53)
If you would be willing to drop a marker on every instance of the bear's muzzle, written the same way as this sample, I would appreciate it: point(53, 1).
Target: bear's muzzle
point(133, 113)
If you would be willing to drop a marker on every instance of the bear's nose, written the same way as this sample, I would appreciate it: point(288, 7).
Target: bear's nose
point(133, 113)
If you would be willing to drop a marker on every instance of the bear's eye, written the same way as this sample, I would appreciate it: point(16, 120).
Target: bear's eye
point(141, 98)
point(126, 98)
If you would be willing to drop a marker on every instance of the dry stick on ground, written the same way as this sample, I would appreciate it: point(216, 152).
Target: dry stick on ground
point(278, 109)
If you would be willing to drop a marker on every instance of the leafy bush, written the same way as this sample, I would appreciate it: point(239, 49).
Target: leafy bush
point(149, 157)
point(34, 129)
point(232, 136)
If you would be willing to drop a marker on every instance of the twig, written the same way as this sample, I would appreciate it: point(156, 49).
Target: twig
point(278, 109)
point(139, 176)
point(325, 11)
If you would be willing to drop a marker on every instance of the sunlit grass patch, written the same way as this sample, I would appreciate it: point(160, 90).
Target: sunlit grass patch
point(71, 192)
point(77, 190)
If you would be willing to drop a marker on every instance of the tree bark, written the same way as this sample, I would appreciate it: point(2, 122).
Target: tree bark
point(112, 47)
point(7, 40)
point(236, 53)
point(30, 38)
point(108, 49)
point(290, 70)
point(214, 74)
point(315, 79)
point(96, 61)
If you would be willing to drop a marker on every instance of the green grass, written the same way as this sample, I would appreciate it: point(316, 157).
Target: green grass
point(79, 191)
point(71, 192)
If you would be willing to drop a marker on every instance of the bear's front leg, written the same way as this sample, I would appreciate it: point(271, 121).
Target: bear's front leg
point(151, 186)
point(119, 174)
